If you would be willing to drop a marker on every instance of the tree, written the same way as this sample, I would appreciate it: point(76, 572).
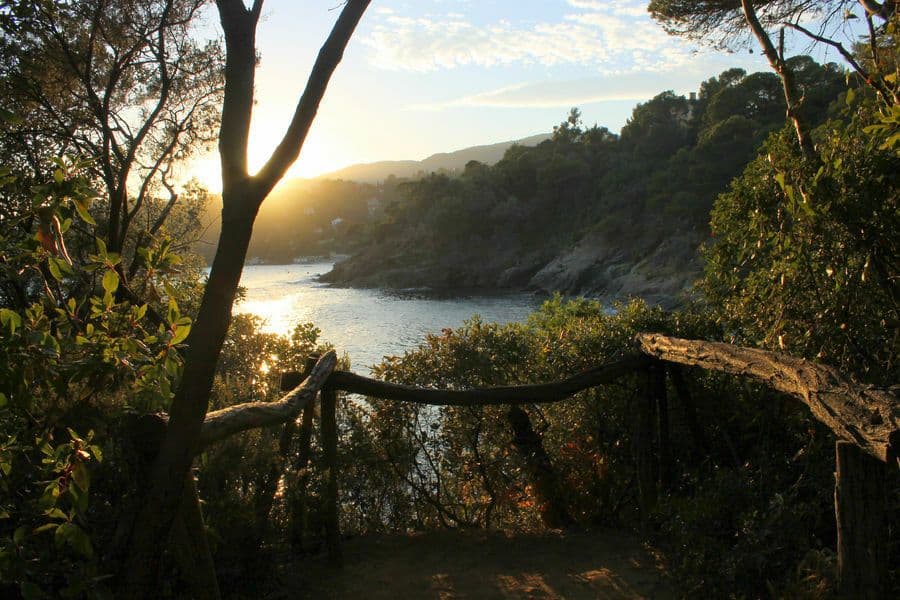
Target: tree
point(658, 127)
point(818, 279)
point(725, 23)
point(242, 195)
point(126, 84)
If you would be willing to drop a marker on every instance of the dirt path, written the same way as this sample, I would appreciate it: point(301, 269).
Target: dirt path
point(483, 565)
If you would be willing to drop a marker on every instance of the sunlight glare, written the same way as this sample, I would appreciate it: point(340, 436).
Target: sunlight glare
point(317, 158)
point(275, 313)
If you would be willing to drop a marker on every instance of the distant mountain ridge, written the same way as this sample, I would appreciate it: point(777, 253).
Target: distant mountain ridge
point(451, 161)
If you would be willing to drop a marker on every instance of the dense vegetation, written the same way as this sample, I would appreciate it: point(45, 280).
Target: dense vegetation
point(97, 310)
point(508, 222)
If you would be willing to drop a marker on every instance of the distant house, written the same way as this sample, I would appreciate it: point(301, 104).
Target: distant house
point(335, 223)
point(373, 204)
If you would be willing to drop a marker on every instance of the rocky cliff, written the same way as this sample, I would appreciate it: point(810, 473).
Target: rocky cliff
point(659, 269)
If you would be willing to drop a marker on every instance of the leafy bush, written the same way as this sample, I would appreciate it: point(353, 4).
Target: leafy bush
point(73, 356)
point(804, 257)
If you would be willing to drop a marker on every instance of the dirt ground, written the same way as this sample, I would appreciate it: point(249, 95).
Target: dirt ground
point(449, 565)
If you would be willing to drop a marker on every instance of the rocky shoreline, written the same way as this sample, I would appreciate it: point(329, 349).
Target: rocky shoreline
point(661, 271)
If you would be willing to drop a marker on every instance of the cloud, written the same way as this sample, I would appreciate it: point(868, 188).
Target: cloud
point(609, 36)
point(618, 7)
point(635, 86)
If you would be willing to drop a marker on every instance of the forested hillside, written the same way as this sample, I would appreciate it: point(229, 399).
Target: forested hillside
point(588, 211)
point(303, 217)
point(314, 217)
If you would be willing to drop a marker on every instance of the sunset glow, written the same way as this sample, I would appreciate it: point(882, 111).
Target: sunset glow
point(427, 77)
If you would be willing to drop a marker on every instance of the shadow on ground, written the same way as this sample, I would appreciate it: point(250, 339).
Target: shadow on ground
point(483, 565)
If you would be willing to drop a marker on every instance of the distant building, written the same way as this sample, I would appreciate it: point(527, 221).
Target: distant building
point(335, 223)
point(373, 204)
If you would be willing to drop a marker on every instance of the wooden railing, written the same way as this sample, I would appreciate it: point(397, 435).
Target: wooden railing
point(864, 420)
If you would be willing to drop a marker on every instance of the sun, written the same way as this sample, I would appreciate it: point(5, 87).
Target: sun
point(317, 157)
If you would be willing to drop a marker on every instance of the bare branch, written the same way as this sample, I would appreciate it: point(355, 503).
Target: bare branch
point(327, 61)
point(221, 424)
point(874, 82)
point(865, 416)
point(520, 394)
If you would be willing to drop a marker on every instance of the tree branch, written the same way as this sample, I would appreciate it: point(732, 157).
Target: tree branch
point(876, 83)
point(787, 78)
point(240, 72)
point(327, 61)
point(882, 10)
point(866, 416)
point(221, 424)
point(519, 394)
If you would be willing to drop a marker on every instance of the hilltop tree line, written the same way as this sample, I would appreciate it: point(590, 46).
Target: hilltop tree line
point(663, 172)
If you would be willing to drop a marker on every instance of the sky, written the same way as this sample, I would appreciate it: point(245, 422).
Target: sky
point(427, 76)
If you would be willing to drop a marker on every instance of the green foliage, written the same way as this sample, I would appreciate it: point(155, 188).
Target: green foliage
point(44, 490)
point(455, 466)
point(658, 180)
point(741, 515)
point(73, 355)
point(804, 257)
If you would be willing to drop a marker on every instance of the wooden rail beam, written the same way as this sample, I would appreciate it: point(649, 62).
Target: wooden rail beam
point(540, 393)
point(866, 416)
point(224, 423)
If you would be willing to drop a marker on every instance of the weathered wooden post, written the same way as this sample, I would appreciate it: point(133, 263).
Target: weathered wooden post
point(690, 410)
point(329, 446)
point(297, 499)
point(645, 459)
point(660, 396)
point(859, 506)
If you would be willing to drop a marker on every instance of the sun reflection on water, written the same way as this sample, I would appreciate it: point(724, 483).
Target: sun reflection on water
point(367, 324)
point(276, 313)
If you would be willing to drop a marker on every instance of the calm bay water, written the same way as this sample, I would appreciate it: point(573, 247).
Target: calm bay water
point(366, 323)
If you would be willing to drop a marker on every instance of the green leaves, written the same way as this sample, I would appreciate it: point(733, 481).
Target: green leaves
point(10, 319)
point(791, 264)
point(181, 331)
point(59, 267)
point(110, 281)
point(73, 536)
point(81, 207)
point(887, 130)
point(68, 345)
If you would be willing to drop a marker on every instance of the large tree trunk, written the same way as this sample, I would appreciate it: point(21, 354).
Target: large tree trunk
point(242, 195)
point(182, 438)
